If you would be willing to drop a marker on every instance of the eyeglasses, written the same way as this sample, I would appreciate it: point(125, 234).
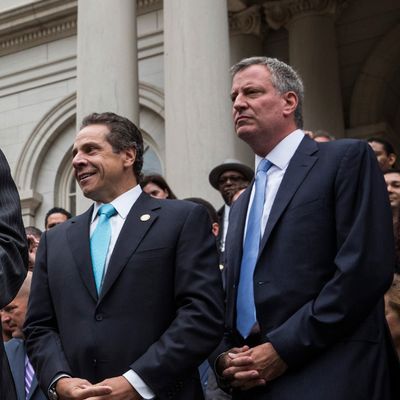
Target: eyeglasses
point(232, 178)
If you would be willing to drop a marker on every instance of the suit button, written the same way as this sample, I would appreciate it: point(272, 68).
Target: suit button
point(99, 317)
point(94, 361)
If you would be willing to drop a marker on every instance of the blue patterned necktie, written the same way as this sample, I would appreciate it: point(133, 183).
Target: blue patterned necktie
point(29, 373)
point(100, 241)
point(246, 310)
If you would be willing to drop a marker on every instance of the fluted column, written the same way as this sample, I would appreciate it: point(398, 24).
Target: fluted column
point(107, 62)
point(199, 132)
point(313, 53)
point(246, 31)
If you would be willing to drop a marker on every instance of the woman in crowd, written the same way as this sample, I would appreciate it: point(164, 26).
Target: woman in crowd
point(156, 186)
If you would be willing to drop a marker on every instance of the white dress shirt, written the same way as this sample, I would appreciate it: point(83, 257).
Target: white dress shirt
point(279, 156)
point(122, 204)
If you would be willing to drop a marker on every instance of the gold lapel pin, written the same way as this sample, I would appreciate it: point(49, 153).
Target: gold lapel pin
point(145, 217)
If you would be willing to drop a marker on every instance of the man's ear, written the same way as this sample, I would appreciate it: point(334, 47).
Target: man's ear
point(291, 102)
point(129, 156)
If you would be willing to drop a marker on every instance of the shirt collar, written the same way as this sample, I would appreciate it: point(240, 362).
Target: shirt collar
point(282, 153)
point(122, 203)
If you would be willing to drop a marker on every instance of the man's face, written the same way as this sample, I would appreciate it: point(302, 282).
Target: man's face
point(13, 315)
point(385, 160)
point(101, 173)
point(393, 186)
point(229, 183)
point(258, 108)
point(55, 219)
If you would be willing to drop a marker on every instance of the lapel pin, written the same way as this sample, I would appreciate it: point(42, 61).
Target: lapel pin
point(145, 217)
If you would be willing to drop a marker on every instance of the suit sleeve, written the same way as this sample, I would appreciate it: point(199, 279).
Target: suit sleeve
point(41, 330)
point(198, 325)
point(364, 262)
point(13, 245)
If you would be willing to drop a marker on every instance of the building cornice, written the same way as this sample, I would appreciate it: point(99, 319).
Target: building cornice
point(44, 21)
point(279, 13)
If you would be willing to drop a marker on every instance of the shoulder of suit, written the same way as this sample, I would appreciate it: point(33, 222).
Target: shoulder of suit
point(341, 145)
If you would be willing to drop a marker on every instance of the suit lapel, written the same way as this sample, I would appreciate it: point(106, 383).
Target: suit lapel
point(139, 220)
point(17, 366)
point(78, 235)
point(234, 242)
point(298, 168)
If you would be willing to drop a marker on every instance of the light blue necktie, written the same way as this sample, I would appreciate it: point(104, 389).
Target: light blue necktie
point(246, 310)
point(100, 241)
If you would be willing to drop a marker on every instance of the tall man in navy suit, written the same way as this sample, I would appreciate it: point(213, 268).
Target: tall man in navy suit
point(13, 260)
point(139, 323)
point(305, 315)
point(24, 376)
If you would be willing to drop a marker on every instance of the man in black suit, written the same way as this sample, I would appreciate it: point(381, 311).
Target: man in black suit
point(228, 178)
point(13, 260)
point(24, 377)
point(309, 256)
point(139, 323)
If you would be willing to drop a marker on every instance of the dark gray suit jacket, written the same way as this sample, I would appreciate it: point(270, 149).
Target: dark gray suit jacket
point(15, 350)
point(13, 260)
point(326, 259)
point(160, 311)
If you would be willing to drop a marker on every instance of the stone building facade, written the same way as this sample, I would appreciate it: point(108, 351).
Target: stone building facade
point(164, 64)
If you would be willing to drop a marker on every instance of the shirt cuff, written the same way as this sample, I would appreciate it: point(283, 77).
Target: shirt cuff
point(56, 378)
point(134, 379)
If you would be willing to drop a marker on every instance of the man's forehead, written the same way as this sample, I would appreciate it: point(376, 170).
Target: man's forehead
point(392, 176)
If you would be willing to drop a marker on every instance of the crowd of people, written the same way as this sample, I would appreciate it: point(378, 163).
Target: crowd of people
point(280, 294)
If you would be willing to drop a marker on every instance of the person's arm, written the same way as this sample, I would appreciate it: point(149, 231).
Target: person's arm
point(197, 327)
point(13, 244)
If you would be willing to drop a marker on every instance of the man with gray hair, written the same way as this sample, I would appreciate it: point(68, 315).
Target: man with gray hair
point(309, 255)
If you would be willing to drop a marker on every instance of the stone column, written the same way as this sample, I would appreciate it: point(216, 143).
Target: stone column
point(245, 28)
point(198, 126)
point(107, 66)
point(313, 53)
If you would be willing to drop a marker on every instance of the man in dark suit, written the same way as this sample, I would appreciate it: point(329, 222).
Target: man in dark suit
point(309, 256)
point(24, 377)
point(137, 323)
point(228, 178)
point(13, 260)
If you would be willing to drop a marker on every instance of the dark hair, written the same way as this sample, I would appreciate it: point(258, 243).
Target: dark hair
point(160, 182)
point(392, 171)
point(210, 209)
point(389, 149)
point(322, 133)
point(56, 210)
point(123, 134)
point(32, 230)
point(283, 77)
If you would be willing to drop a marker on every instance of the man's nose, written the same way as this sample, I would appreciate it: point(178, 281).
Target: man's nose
point(239, 103)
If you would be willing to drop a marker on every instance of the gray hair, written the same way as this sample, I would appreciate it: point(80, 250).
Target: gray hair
point(283, 77)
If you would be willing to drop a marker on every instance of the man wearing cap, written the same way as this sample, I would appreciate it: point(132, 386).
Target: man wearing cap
point(229, 178)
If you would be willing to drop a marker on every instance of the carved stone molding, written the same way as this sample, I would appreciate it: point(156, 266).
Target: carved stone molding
point(44, 21)
point(30, 201)
point(36, 23)
point(246, 22)
point(278, 13)
point(145, 6)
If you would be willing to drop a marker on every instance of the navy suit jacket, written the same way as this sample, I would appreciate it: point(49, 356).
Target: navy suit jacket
point(13, 260)
point(15, 350)
point(160, 311)
point(326, 259)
